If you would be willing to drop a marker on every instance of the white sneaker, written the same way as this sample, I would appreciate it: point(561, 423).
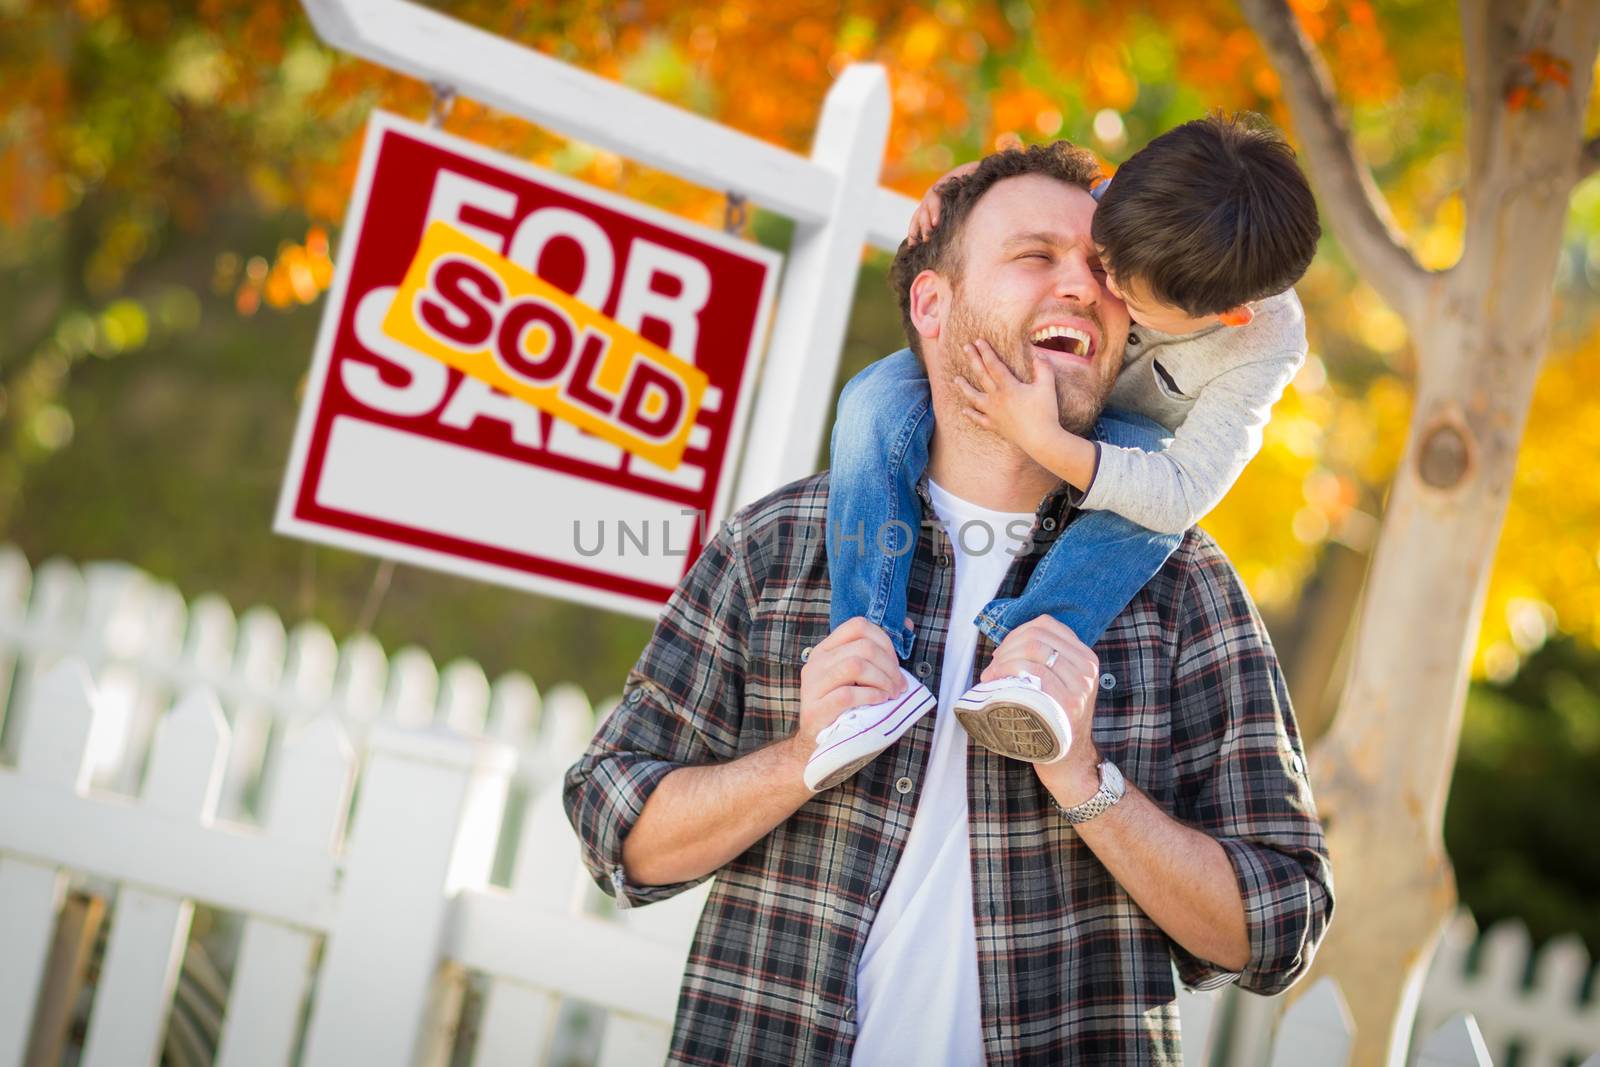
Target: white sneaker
point(1015, 717)
point(855, 738)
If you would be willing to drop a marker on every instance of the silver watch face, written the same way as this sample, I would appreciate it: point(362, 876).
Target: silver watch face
point(1111, 779)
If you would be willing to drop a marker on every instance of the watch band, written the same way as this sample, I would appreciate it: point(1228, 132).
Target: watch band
point(1112, 788)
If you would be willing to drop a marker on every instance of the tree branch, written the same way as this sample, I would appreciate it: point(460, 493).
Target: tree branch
point(1589, 162)
point(1356, 209)
point(1488, 34)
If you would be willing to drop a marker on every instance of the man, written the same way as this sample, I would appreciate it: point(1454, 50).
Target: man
point(1036, 914)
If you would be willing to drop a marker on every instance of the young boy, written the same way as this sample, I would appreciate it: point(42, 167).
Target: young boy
point(1202, 234)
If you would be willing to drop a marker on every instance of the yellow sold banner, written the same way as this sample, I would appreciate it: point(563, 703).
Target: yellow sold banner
point(471, 308)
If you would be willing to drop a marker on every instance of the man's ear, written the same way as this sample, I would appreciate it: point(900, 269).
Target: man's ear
point(930, 301)
point(1242, 315)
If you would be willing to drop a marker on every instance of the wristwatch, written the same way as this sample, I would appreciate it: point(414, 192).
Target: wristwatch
point(1111, 789)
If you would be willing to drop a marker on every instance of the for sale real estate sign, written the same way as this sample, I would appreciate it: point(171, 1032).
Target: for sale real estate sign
point(523, 379)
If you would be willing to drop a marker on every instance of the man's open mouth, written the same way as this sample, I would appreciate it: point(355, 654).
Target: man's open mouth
point(1067, 340)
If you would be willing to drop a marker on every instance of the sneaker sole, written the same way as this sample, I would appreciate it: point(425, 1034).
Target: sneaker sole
point(846, 771)
point(1013, 730)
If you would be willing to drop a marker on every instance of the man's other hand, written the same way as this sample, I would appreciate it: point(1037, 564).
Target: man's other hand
point(1073, 680)
point(855, 664)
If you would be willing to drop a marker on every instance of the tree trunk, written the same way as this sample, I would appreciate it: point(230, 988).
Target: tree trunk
point(1382, 773)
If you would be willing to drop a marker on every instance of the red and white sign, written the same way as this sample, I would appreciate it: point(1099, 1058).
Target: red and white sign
point(440, 455)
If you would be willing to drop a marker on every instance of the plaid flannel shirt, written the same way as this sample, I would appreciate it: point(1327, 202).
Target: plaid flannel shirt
point(1192, 708)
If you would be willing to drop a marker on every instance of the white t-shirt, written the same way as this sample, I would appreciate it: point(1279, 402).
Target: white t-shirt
point(917, 985)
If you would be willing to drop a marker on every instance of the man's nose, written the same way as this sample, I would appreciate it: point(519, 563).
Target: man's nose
point(1076, 281)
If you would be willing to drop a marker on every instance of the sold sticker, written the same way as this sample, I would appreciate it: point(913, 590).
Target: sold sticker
point(472, 309)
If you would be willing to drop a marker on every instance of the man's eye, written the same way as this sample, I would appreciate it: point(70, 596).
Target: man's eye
point(1036, 255)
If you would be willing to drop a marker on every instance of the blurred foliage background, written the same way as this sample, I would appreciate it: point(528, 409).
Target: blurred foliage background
point(173, 178)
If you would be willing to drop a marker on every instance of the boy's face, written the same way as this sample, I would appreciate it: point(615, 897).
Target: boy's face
point(1031, 284)
point(1147, 311)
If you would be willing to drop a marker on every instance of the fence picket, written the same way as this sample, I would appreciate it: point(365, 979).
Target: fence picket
point(305, 690)
point(1316, 1031)
point(626, 1040)
point(48, 634)
point(105, 628)
point(1501, 964)
point(275, 961)
point(53, 749)
point(464, 697)
point(204, 659)
point(208, 644)
point(431, 803)
point(1558, 976)
point(358, 685)
point(312, 664)
point(1196, 1013)
point(548, 876)
point(149, 930)
point(142, 642)
point(16, 578)
point(1458, 1043)
point(567, 721)
point(257, 672)
point(413, 689)
point(514, 709)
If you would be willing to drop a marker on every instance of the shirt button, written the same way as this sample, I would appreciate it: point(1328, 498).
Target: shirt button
point(635, 695)
point(1108, 681)
point(874, 897)
point(850, 1015)
point(944, 561)
point(1133, 338)
point(805, 654)
point(924, 669)
point(903, 786)
point(1049, 523)
point(1297, 763)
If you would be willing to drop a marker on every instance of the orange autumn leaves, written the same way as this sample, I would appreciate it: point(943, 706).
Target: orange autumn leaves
point(280, 117)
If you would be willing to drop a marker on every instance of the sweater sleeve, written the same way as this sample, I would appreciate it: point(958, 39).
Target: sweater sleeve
point(1169, 491)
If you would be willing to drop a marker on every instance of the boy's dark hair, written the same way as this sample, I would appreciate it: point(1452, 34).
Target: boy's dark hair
point(1210, 215)
point(942, 252)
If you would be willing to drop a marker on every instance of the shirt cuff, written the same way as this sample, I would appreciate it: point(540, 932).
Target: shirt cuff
point(607, 802)
point(1279, 909)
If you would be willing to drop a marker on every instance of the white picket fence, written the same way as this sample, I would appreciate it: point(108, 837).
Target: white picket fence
point(1546, 1021)
point(361, 946)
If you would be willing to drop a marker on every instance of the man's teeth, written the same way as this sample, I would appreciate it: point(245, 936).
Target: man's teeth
point(1077, 340)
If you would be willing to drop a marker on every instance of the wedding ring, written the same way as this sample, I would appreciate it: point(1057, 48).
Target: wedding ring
point(1050, 660)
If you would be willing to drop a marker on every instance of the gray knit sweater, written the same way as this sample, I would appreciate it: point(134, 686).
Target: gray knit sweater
point(1214, 389)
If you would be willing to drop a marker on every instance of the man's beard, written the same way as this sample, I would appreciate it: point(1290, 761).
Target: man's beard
point(1078, 402)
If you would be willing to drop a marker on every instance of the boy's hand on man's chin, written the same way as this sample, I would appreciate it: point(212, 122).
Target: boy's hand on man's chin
point(1024, 413)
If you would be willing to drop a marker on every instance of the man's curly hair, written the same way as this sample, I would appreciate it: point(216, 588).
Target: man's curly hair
point(942, 251)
